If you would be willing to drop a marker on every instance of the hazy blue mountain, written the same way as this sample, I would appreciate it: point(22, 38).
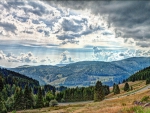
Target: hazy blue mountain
point(85, 73)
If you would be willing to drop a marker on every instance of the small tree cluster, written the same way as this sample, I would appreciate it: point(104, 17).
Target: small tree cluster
point(147, 81)
point(116, 89)
point(126, 87)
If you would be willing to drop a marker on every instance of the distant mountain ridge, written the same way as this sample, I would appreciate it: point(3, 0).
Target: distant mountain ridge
point(85, 73)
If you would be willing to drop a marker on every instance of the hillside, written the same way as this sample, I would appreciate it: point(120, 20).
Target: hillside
point(85, 73)
point(143, 74)
point(115, 103)
point(12, 77)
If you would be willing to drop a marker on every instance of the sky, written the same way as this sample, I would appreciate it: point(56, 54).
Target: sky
point(61, 32)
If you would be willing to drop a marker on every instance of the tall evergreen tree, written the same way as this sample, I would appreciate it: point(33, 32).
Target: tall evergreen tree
point(126, 87)
point(116, 89)
point(19, 102)
point(22, 100)
point(1, 84)
point(2, 105)
point(39, 101)
point(28, 97)
point(16, 98)
point(98, 92)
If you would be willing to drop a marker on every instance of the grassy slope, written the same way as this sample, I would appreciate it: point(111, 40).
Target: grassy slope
point(118, 105)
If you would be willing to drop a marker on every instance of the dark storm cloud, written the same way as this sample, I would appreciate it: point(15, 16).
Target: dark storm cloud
point(75, 34)
point(129, 18)
point(8, 26)
point(143, 44)
point(68, 25)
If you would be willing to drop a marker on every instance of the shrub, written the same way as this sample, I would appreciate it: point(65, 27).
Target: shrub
point(53, 103)
point(145, 99)
point(123, 104)
point(14, 111)
point(62, 100)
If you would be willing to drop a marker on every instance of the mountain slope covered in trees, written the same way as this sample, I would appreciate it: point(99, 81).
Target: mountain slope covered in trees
point(11, 77)
point(143, 74)
point(19, 92)
point(85, 73)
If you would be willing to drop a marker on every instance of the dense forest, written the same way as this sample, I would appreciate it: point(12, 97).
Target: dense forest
point(141, 75)
point(79, 94)
point(18, 92)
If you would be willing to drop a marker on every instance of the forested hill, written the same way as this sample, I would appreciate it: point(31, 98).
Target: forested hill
point(85, 73)
point(11, 77)
point(141, 75)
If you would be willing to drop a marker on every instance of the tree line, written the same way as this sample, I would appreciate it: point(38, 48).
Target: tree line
point(141, 75)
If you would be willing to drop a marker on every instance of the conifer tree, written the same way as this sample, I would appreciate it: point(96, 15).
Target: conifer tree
point(19, 100)
point(16, 98)
point(1, 84)
point(2, 105)
point(28, 97)
point(116, 89)
point(22, 100)
point(39, 101)
point(98, 92)
point(126, 87)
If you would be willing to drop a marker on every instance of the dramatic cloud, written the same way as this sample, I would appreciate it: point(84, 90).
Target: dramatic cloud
point(129, 19)
point(52, 32)
point(8, 26)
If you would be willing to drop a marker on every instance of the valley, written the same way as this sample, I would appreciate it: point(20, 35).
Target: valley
point(85, 73)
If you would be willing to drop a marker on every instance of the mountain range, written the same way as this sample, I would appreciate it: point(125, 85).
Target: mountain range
point(85, 73)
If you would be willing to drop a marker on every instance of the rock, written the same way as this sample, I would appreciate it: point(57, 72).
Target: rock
point(147, 105)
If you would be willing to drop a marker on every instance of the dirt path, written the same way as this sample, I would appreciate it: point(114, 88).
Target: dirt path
point(74, 103)
point(130, 93)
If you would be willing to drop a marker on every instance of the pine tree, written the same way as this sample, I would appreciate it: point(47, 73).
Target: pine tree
point(39, 101)
point(2, 105)
point(116, 89)
point(98, 92)
point(126, 87)
point(16, 98)
point(1, 84)
point(22, 100)
point(28, 97)
point(19, 101)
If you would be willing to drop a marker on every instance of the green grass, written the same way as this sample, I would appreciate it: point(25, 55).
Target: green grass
point(136, 109)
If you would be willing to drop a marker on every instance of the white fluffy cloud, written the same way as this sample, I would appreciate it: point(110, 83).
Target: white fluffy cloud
point(40, 21)
point(22, 58)
point(113, 55)
point(29, 25)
